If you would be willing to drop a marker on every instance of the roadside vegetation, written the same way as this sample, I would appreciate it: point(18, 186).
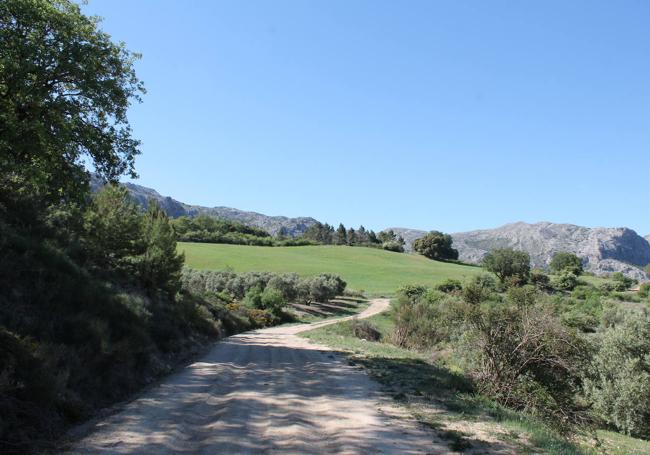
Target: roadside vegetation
point(526, 359)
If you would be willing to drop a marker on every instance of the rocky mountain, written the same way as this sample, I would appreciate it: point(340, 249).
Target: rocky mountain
point(604, 250)
point(174, 208)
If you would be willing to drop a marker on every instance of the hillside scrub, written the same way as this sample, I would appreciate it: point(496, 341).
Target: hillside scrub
point(575, 360)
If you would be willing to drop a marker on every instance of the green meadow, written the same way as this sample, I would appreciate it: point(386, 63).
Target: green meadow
point(375, 271)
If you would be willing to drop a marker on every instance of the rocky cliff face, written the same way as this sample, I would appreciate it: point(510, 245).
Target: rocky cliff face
point(174, 208)
point(603, 250)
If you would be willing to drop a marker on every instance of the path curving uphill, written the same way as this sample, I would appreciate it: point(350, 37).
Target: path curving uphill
point(265, 391)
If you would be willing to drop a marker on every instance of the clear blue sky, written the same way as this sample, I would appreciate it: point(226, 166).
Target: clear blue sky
point(450, 115)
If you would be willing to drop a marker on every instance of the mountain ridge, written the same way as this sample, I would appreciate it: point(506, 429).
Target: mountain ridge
point(603, 250)
point(272, 224)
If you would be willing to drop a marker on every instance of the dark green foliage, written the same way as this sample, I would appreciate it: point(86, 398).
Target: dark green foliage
point(565, 281)
point(618, 378)
point(326, 235)
point(341, 236)
point(564, 261)
point(539, 279)
point(393, 245)
point(112, 231)
point(65, 89)
point(622, 283)
point(450, 285)
point(479, 288)
point(436, 245)
point(159, 266)
point(208, 229)
point(644, 290)
point(507, 263)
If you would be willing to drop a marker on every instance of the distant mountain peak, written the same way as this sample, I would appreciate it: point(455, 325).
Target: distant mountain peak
point(173, 208)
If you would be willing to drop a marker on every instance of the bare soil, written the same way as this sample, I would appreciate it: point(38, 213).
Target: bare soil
point(265, 391)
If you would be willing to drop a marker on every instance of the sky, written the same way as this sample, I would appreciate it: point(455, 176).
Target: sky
point(449, 115)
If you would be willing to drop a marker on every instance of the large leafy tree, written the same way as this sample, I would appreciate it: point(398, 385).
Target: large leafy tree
point(436, 245)
point(65, 88)
point(507, 263)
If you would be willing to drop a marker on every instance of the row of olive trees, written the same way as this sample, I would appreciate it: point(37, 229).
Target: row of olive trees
point(291, 286)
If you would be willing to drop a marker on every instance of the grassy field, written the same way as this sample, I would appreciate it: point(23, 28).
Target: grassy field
point(377, 272)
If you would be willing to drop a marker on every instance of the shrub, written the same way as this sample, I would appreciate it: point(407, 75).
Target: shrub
point(621, 282)
point(364, 330)
point(450, 285)
point(539, 279)
point(393, 245)
point(618, 378)
point(273, 300)
point(566, 281)
point(253, 298)
point(412, 291)
point(644, 290)
point(426, 321)
point(524, 358)
point(506, 262)
point(479, 289)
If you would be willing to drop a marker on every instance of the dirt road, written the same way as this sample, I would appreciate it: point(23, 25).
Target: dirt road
point(266, 391)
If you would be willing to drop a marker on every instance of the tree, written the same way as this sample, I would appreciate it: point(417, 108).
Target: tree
point(160, 264)
point(566, 261)
point(341, 236)
point(112, 225)
point(352, 236)
point(436, 245)
point(64, 93)
point(506, 263)
point(362, 235)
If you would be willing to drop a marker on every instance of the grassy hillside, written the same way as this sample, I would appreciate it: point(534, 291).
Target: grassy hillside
point(372, 270)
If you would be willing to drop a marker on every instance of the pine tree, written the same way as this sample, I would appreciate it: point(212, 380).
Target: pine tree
point(160, 265)
point(341, 236)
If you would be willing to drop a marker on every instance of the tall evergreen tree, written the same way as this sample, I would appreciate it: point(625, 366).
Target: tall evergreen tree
point(341, 236)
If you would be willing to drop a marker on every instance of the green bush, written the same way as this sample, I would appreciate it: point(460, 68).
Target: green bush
point(450, 285)
point(618, 378)
point(644, 290)
point(273, 300)
point(539, 279)
point(479, 288)
point(565, 281)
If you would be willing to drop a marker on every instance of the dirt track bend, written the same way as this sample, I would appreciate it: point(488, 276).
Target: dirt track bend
point(265, 391)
